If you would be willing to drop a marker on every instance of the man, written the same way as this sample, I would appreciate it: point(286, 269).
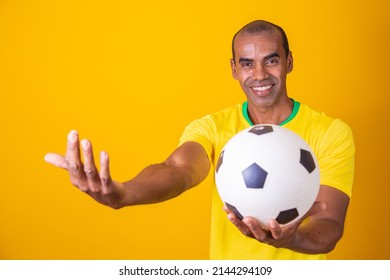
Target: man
point(261, 61)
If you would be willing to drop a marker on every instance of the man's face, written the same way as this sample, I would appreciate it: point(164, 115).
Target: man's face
point(261, 67)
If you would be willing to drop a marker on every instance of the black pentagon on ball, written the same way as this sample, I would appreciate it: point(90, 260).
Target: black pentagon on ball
point(287, 216)
point(261, 129)
point(234, 210)
point(220, 160)
point(254, 176)
point(307, 161)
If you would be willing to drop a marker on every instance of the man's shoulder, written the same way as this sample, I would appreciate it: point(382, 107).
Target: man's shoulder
point(319, 123)
point(320, 117)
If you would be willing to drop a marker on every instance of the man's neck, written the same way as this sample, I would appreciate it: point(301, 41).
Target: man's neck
point(275, 114)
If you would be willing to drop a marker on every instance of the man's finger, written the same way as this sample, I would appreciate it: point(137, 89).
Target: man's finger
point(275, 229)
point(73, 161)
point(90, 169)
point(256, 230)
point(56, 160)
point(238, 223)
point(105, 176)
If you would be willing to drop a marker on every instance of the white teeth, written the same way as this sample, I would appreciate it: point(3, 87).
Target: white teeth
point(262, 88)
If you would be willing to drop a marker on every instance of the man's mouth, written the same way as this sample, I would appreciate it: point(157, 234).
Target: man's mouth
point(262, 88)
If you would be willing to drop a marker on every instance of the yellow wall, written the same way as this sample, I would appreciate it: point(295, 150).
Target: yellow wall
point(129, 75)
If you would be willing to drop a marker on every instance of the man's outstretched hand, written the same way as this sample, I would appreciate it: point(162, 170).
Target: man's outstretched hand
point(273, 234)
point(85, 176)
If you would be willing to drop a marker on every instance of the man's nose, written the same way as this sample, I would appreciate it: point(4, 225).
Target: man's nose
point(260, 72)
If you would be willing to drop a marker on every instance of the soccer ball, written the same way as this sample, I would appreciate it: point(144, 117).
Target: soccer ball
point(267, 172)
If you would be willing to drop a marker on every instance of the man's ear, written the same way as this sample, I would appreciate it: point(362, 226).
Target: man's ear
point(290, 62)
point(233, 67)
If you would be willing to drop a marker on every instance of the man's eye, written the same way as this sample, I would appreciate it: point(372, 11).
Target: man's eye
point(246, 64)
point(272, 62)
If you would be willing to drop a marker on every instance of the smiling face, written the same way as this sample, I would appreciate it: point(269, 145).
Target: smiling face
point(261, 67)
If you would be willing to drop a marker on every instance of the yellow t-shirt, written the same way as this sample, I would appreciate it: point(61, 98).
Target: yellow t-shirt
point(330, 139)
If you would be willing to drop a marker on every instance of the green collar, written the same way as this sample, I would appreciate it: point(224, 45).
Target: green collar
point(294, 112)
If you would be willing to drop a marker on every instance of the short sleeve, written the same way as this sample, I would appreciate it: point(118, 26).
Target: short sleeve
point(201, 131)
point(337, 159)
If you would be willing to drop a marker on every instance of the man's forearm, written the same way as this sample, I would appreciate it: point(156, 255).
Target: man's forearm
point(156, 183)
point(316, 237)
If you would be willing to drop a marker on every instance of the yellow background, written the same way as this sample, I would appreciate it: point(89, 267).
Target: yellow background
point(129, 75)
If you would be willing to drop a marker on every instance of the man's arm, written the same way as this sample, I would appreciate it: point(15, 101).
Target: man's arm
point(318, 233)
point(324, 228)
point(186, 167)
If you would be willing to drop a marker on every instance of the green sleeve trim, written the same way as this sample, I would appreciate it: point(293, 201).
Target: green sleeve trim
point(296, 106)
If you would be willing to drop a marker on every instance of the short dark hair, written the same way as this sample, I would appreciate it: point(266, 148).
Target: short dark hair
point(259, 26)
